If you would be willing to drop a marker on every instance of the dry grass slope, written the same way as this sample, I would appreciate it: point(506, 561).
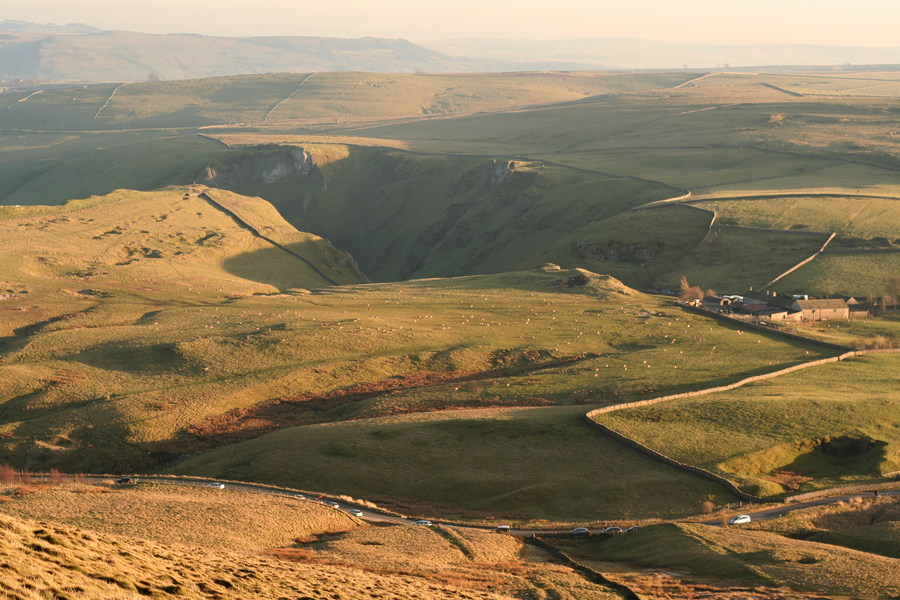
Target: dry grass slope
point(40, 560)
point(200, 517)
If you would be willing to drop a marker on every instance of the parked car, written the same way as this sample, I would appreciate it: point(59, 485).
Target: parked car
point(739, 520)
point(502, 529)
point(612, 530)
point(355, 512)
point(333, 504)
point(580, 532)
point(630, 529)
point(423, 522)
point(124, 480)
point(300, 496)
point(216, 484)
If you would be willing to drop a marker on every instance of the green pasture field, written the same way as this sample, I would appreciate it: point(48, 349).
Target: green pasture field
point(820, 427)
point(326, 97)
point(868, 332)
point(736, 260)
point(515, 463)
point(756, 557)
point(832, 273)
point(847, 216)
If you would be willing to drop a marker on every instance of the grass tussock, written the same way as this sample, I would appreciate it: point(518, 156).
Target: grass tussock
point(188, 516)
point(755, 557)
point(42, 560)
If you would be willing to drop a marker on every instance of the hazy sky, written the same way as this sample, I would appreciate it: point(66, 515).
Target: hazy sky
point(831, 22)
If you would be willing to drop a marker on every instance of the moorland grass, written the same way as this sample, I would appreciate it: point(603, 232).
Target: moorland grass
point(775, 434)
point(752, 556)
point(462, 556)
point(866, 523)
point(170, 514)
point(623, 143)
point(43, 559)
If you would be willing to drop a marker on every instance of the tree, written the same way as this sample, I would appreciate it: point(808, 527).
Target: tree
point(686, 291)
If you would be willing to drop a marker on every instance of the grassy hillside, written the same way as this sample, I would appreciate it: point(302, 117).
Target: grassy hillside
point(640, 247)
point(816, 428)
point(128, 354)
point(407, 215)
point(861, 273)
point(298, 98)
point(756, 557)
point(52, 167)
point(519, 463)
point(867, 524)
point(170, 514)
point(460, 556)
point(47, 559)
point(587, 147)
point(138, 245)
point(266, 540)
point(738, 259)
point(848, 216)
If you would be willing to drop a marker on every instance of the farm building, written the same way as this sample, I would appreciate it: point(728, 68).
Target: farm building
point(719, 300)
point(822, 310)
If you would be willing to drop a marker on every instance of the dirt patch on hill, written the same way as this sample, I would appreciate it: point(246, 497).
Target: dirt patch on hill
point(242, 424)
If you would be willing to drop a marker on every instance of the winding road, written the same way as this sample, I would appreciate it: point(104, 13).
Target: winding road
point(375, 515)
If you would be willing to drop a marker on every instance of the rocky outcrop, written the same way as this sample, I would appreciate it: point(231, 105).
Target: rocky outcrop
point(261, 166)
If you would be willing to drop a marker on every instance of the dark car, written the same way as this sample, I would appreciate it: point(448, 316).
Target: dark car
point(124, 480)
point(612, 530)
point(580, 532)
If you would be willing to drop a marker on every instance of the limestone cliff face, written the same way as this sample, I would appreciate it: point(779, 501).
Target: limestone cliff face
point(260, 167)
point(500, 171)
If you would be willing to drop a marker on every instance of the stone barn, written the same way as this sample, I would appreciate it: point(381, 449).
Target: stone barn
point(822, 310)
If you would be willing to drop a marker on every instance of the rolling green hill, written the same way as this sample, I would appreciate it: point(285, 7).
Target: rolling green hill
point(426, 200)
point(818, 428)
point(143, 326)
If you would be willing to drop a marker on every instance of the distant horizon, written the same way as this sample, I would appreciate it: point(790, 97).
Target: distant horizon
point(871, 23)
point(425, 42)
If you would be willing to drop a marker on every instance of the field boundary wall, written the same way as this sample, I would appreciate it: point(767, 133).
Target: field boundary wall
point(218, 205)
point(587, 572)
point(590, 417)
point(802, 262)
point(749, 325)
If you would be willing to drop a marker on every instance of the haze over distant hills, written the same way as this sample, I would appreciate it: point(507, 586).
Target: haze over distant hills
point(631, 53)
point(79, 52)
